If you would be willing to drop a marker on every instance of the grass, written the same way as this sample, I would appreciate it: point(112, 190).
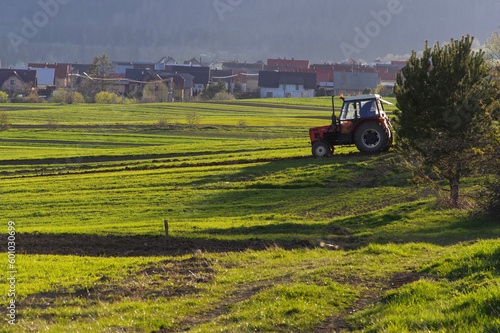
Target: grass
point(262, 236)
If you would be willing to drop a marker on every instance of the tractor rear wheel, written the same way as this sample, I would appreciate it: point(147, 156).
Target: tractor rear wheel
point(321, 149)
point(371, 137)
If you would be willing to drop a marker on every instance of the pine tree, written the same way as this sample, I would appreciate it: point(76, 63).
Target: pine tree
point(100, 68)
point(445, 100)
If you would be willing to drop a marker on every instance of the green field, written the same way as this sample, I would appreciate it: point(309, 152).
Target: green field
point(262, 237)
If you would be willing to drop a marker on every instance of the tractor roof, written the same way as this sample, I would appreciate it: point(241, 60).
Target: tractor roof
point(364, 97)
point(361, 97)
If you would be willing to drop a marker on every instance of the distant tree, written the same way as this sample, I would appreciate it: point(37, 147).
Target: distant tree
point(384, 90)
point(493, 49)
point(213, 90)
point(101, 68)
point(446, 100)
point(155, 91)
point(237, 88)
point(95, 80)
point(367, 91)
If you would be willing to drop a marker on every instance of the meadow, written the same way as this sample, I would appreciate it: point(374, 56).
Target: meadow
point(261, 236)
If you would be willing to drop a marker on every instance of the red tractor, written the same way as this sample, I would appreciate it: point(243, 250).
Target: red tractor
point(362, 122)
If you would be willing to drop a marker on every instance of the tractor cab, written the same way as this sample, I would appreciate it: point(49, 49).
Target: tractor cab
point(362, 122)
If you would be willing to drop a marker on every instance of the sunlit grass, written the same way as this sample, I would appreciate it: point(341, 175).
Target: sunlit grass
point(243, 175)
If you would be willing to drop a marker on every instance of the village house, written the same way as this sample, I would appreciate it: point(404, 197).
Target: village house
point(45, 78)
point(230, 78)
point(18, 81)
point(179, 85)
point(351, 78)
point(167, 61)
point(62, 73)
point(201, 75)
point(250, 70)
point(287, 84)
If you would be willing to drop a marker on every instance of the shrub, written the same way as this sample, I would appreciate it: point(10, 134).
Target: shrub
point(52, 125)
point(4, 98)
point(77, 98)
point(131, 101)
point(33, 98)
point(58, 96)
point(105, 97)
point(4, 121)
point(193, 119)
point(162, 123)
point(223, 96)
point(62, 96)
point(242, 124)
point(17, 99)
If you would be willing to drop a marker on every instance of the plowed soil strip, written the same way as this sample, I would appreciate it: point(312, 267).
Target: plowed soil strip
point(133, 246)
point(80, 143)
point(129, 167)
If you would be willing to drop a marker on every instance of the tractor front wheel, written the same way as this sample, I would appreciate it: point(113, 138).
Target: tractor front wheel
point(371, 138)
point(321, 149)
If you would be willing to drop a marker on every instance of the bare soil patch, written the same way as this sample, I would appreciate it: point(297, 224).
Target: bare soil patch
point(83, 143)
point(133, 246)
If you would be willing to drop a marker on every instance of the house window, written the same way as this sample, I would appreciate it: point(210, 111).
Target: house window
point(12, 82)
point(297, 87)
point(269, 94)
point(288, 95)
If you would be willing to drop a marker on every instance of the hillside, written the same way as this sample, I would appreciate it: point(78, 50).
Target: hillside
point(128, 30)
point(261, 236)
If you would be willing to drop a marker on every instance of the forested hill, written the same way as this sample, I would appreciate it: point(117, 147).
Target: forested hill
point(146, 30)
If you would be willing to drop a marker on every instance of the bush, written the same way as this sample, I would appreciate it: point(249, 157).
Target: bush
point(384, 90)
point(62, 96)
point(4, 98)
point(77, 98)
point(4, 121)
point(17, 99)
point(33, 98)
point(223, 96)
point(58, 96)
point(193, 119)
point(131, 101)
point(52, 125)
point(105, 97)
point(162, 123)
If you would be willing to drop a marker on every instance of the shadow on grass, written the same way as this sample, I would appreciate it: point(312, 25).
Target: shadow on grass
point(270, 229)
point(349, 234)
point(134, 246)
point(441, 228)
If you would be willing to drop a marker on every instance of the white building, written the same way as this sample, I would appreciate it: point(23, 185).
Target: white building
point(287, 84)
